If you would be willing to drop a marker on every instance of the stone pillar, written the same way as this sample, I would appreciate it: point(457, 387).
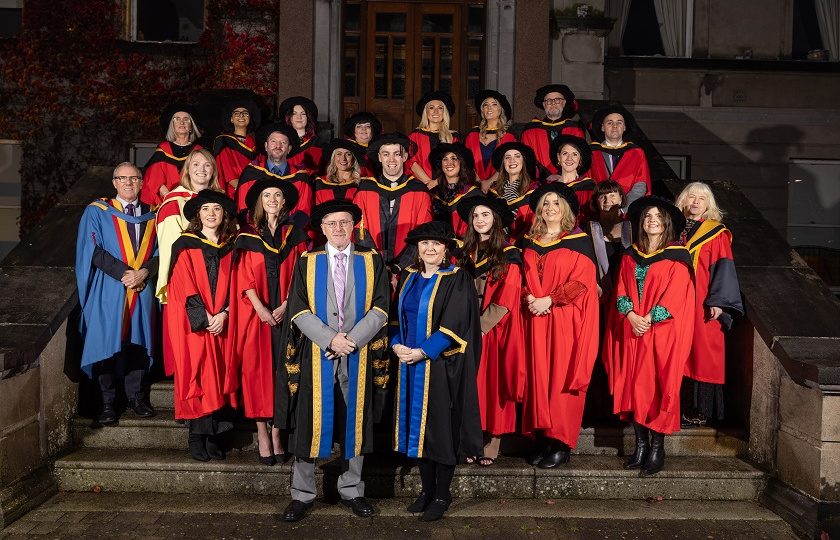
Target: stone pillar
point(577, 53)
point(532, 57)
point(499, 46)
point(295, 48)
point(327, 61)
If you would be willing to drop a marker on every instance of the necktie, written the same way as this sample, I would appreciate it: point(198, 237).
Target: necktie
point(340, 281)
point(132, 227)
point(276, 170)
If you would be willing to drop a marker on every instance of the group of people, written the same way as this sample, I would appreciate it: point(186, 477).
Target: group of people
point(450, 288)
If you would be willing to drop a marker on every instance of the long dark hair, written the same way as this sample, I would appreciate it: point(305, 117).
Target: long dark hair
point(442, 187)
point(494, 249)
point(668, 234)
point(310, 122)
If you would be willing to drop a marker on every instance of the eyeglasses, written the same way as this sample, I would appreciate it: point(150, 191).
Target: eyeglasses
point(128, 179)
point(181, 119)
point(333, 224)
point(237, 114)
point(556, 100)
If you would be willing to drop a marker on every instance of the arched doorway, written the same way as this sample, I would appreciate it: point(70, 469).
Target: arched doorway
point(394, 52)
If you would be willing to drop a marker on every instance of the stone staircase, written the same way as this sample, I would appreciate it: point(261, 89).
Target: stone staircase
point(150, 455)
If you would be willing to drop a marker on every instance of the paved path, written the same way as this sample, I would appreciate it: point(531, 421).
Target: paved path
point(221, 517)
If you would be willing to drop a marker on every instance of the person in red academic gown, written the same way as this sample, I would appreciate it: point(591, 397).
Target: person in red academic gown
point(266, 251)
point(342, 159)
point(235, 148)
point(717, 303)
point(391, 204)
point(277, 142)
point(361, 128)
point(648, 335)
point(496, 268)
point(560, 298)
point(197, 321)
point(573, 158)
point(301, 114)
point(435, 110)
point(614, 158)
point(558, 103)
point(454, 179)
point(517, 166)
point(483, 139)
point(163, 170)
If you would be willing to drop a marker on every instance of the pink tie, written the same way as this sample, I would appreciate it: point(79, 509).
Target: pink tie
point(340, 281)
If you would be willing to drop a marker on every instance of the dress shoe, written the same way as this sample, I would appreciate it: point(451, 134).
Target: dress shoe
point(280, 459)
point(420, 504)
point(656, 457)
point(296, 510)
point(541, 448)
point(642, 447)
point(435, 510)
point(267, 460)
point(213, 449)
point(558, 455)
point(140, 409)
point(359, 506)
point(198, 447)
point(108, 415)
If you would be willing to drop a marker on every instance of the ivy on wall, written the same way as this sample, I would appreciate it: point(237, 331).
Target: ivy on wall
point(73, 92)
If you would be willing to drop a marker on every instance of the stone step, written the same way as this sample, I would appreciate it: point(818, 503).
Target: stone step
point(162, 395)
point(608, 439)
point(585, 477)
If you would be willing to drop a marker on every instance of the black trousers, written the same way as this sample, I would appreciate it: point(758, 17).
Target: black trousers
point(130, 364)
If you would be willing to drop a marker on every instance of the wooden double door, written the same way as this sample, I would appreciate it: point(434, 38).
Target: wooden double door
point(407, 49)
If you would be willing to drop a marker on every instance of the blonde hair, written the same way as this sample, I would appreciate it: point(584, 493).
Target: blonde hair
point(713, 212)
point(567, 222)
point(186, 183)
point(444, 133)
point(194, 132)
point(332, 170)
point(503, 120)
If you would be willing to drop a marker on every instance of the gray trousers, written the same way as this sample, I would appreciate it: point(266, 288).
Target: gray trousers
point(350, 484)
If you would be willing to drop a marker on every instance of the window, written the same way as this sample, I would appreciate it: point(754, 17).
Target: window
point(167, 20)
point(11, 15)
point(806, 29)
point(657, 27)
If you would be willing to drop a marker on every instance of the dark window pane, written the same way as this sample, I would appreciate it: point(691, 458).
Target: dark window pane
point(380, 59)
point(351, 65)
point(446, 85)
point(437, 23)
point(10, 20)
point(473, 88)
point(427, 85)
point(641, 34)
point(398, 88)
point(352, 16)
point(806, 29)
point(390, 22)
point(475, 21)
point(350, 87)
point(170, 20)
point(379, 88)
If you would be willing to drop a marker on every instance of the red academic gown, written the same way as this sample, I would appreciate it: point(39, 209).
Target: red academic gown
point(254, 347)
point(162, 169)
point(232, 155)
point(425, 140)
point(645, 372)
point(446, 211)
point(631, 169)
point(308, 157)
point(484, 169)
point(257, 170)
point(709, 244)
point(202, 360)
point(583, 187)
point(502, 371)
point(562, 345)
point(523, 217)
point(412, 207)
point(537, 135)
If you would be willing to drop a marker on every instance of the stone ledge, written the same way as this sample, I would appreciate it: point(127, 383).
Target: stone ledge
point(807, 515)
point(26, 494)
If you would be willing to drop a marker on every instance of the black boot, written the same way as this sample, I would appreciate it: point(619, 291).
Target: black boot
point(558, 454)
point(656, 457)
point(642, 447)
point(539, 451)
point(213, 449)
point(198, 447)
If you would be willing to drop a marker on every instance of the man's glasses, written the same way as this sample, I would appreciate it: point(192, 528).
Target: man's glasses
point(554, 101)
point(333, 224)
point(128, 179)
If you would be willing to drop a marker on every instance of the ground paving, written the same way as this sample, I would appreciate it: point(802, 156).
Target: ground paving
point(139, 516)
